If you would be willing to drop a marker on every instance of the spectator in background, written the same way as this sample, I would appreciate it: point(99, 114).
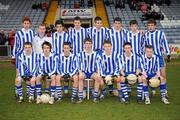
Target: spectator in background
point(11, 38)
point(3, 38)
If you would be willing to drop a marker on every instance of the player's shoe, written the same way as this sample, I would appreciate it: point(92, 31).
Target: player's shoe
point(16, 96)
point(73, 100)
point(126, 101)
point(51, 101)
point(59, 99)
point(147, 101)
point(121, 99)
point(31, 98)
point(20, 99)
point(38, 100)
point(80, 101)
point(95, 100)
point(101, 97)
point(165, 100)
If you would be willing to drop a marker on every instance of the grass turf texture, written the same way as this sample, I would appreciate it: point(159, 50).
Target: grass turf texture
point(109, 109)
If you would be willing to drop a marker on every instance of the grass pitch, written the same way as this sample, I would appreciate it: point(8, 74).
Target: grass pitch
point(109, 109)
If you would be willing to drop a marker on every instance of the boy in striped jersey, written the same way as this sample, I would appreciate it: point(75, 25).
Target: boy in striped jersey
point(98, 34)
point(151, 68)
point(135, 37)
point(58, 38)
point(109, 65)
point(130, 65)
point(77, 36)
point(67, 69)
point(46, 68)
point(88, 69)
point(22, 36)
point(27, 67)
point(117, 35)
point(158, 40)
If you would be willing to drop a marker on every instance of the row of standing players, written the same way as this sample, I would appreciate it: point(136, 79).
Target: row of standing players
point(118, 37)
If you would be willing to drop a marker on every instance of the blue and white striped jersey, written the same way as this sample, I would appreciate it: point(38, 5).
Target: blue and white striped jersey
point(67, 65)
point(88, 63)
point(58, 40)
point(21, 37)
point(47, 65)
point(158, 41)
point(110, 65)
point(150, 65)
point(98, 37)
point(28, 64)
point(117, 39)
point(130, 64)
point(77, 39)
point(137, 42)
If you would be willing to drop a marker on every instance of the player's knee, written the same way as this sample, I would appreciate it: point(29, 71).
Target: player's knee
point(18, 80)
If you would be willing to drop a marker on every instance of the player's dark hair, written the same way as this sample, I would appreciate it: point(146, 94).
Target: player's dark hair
point(67, 43)
point(118, 19)
point(127, 43)
point(28, 43)
point(133, 22)
point(42, 24)
point(87, 40)
point(149, 46)
point(151, 21)
point(107, 42)
point(97, 19)
point(77, 18)
point(59, 22)
point(47, 43)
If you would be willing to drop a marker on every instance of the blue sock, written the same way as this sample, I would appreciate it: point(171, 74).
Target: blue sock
point(74, 92)
point(95, 95)
point(120, 93)
point(38, 89)
point(32, 89)
point(124, 90)
point(27, 89)
point(104, 91)
point(139, 90)
point(66, 87)
point(59, 91)
point(145, 88)
point(110, 88)
point(46, 90)
point(163, 90)
point(53, 89)
point(19, 90)
point(81, 95)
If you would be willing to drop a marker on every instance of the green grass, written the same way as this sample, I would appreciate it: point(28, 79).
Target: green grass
point(109, 109)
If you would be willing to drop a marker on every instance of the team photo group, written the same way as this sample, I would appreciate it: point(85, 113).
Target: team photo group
point(113, 60)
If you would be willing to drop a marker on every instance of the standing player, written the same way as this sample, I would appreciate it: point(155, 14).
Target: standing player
point(109, 62)
point(130, 65)
point(158, 41)
point(88, 69)
point(27, 67)
point(67, 68)
point(59, 37)
point(22, 36)
point(77, 36)
point(151, 68)
point(117, 35)
point(46, 68)
point(135, 37)
point(98, 34)
point(38, 40)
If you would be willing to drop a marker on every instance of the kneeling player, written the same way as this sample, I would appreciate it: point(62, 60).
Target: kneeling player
point(46, 68)
point(151, 68)
point(27, 70)
point(67, 68)
point(130, 65)
point(88, 69)
point(109, 62)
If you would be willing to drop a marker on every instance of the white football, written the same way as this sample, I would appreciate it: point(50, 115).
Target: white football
point(131, 78)
point(108, 80)
point(45, 98)
point(154, 82)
